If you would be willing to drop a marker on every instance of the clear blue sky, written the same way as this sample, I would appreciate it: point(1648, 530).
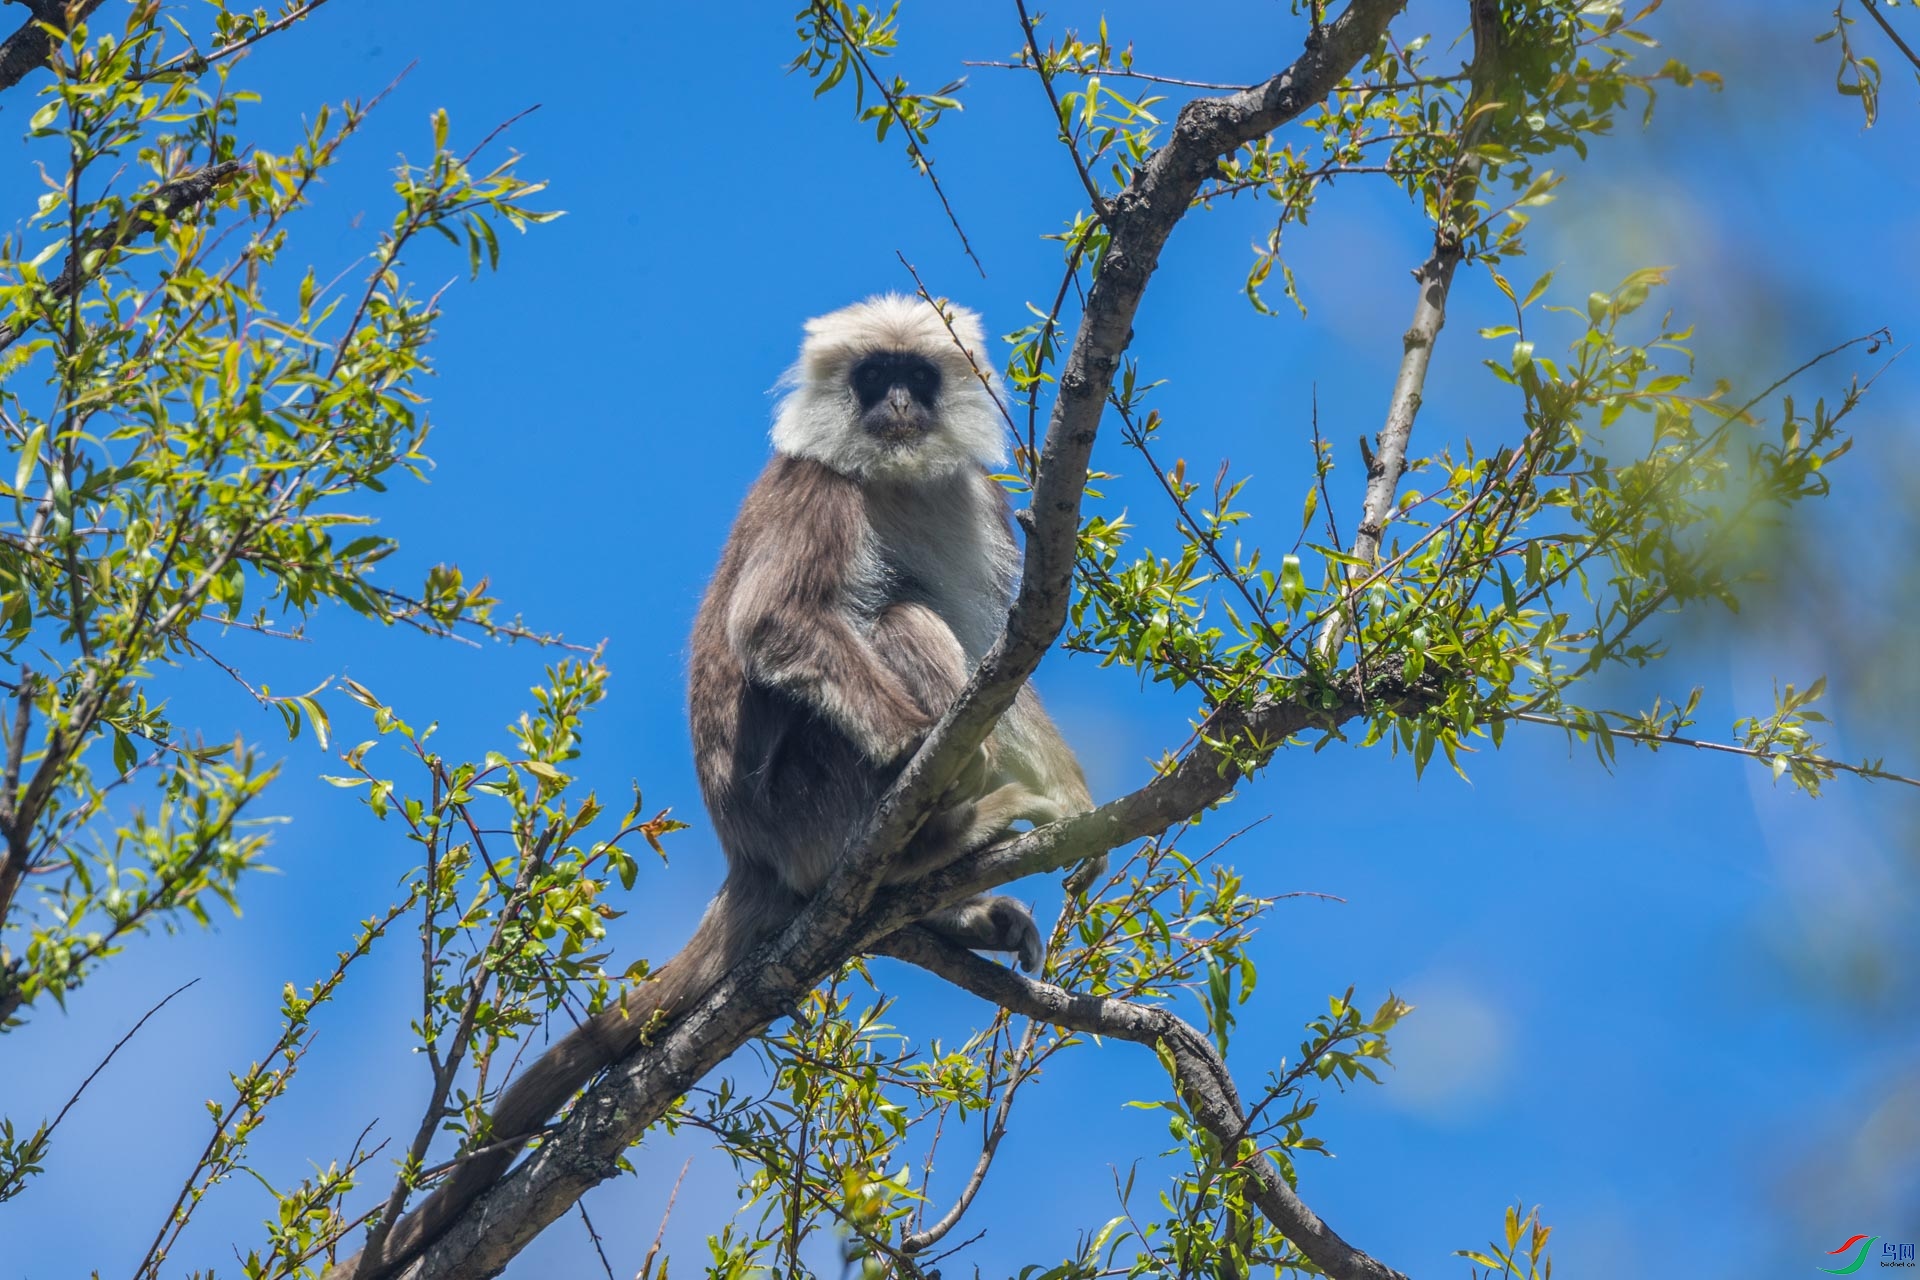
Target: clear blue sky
point(1672, 1005)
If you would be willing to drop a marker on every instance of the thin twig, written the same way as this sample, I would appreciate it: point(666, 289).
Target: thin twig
point(940, 309)
point(914, 148)
point(1117, 74)
point(1873, 11)
point(1017, 1075)
point(118, 1045)
point(194, 63)
point(646, 1263)
point(1752, 753)
point(1100, 209)
point(594, 1236)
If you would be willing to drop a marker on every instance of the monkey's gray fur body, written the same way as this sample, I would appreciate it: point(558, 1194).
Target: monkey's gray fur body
point(868, 571)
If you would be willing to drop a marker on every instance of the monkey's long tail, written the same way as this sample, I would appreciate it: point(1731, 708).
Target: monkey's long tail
point(729, 929)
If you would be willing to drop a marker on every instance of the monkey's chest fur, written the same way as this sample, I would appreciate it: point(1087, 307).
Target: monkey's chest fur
point(779, 695)
point(944, 545)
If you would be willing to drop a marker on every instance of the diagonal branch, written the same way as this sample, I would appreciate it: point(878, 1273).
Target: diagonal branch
point(917, 152)
point(1100, 209)
point(1199, 1073)
point(921, 1241)
point(609, 1117)
point(28, 49)
point(1142, 216)
point(1873, 11)
point(849, 914)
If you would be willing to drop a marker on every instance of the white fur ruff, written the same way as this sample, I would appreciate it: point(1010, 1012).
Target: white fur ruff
point(819, 415)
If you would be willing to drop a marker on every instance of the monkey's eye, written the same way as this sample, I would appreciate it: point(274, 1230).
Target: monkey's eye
point(923, 380)
point(869, 379)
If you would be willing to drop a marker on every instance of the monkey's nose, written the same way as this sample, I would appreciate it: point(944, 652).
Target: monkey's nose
point(900, 400)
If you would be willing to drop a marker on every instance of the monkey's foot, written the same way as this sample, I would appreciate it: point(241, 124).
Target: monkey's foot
point(992, 924)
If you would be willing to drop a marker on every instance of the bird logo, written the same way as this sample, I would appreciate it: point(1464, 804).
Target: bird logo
point(1859, 1258)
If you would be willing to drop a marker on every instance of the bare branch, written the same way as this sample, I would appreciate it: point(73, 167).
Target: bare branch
point(40, 1140)
point(1199, 1073)
point(653, 1250)
point(1873, 11)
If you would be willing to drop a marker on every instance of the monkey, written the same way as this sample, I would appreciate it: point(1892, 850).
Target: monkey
point(867, 572)
point(870, 568)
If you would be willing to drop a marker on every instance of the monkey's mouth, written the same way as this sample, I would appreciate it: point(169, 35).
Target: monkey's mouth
point(891, 427)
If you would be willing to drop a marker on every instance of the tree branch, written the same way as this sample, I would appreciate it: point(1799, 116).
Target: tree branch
point(1873, 11)
point(1100, 209)
point(1199, 1073)
point(1388, 461)
point(921, 1241)
point(28, 49)
point(585, 1149)
point(848, 914)
point(1870, 771)
point(917, 152)
point(163, 203)
point(1142, 216)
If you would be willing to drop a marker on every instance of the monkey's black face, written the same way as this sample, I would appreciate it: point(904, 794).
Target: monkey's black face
point(897, 392)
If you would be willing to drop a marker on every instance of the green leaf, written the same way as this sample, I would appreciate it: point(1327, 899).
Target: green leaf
point(29, 458)
point(1293, 585)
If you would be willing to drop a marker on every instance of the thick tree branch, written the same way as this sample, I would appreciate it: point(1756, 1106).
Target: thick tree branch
point(1200, 779)
point(636, 1092)
point(1203, 1079)
point(1140, 218)
point(847, 916)
point(28, 49)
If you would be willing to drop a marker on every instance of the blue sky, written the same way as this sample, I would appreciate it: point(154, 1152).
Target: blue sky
point(1671, 1004)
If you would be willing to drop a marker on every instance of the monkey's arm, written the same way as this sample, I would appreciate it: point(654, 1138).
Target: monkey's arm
point(805, 557)
point(820, 658)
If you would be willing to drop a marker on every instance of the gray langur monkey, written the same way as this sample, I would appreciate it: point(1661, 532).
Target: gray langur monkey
point(868, 571)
